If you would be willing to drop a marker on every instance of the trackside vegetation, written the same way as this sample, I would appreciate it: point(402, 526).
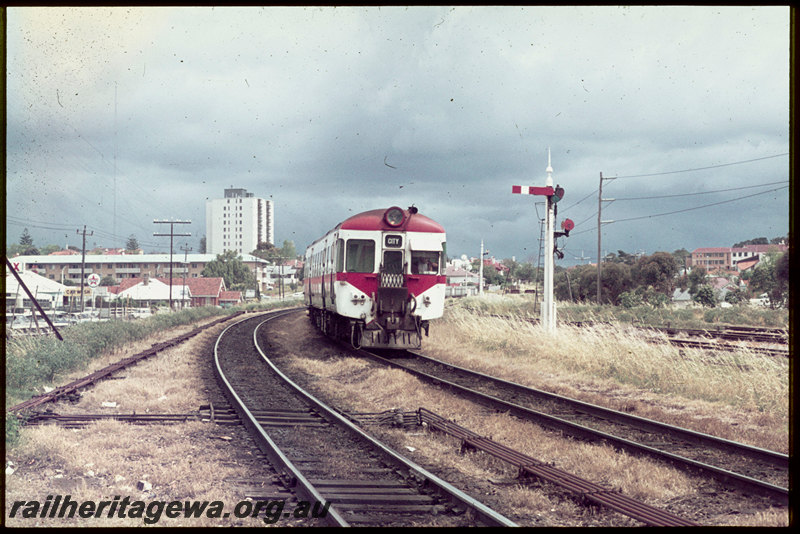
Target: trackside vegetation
point(521, 306)
point(35, 362)
point(610, 352)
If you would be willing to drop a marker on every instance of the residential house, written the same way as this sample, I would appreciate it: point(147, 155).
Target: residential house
point(62, 267)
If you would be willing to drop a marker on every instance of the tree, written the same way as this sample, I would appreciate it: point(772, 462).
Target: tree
point(526, 272)
point(25, 238)
point(203, 245)
point(696, 278)
point(782, 271)
point(734, 296)
point(25, 247)
point(680, 256)
point(615, 278)
point(705, 296)
point(49, 249)
point(132, 245)
point(630, 299)
point(288, 250)
point(232, 269)
point(269, 252)
point(771, 276)
point(108, 281)
point(755, 241)
point(657, 270)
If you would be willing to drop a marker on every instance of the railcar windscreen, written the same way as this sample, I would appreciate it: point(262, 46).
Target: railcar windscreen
point(393, 262)
point(360, 256)
point(423, 262)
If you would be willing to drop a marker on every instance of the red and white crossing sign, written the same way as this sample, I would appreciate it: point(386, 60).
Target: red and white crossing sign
point(93, 280)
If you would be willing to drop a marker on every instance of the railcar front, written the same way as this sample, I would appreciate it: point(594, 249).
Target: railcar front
point(377, 279)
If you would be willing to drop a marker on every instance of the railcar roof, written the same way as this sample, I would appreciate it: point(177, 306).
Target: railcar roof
point(373, 220)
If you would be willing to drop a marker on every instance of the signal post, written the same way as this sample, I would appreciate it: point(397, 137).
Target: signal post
point(548, 314)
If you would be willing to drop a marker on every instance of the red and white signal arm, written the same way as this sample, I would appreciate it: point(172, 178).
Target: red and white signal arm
point(93, 280)
point(567, 225)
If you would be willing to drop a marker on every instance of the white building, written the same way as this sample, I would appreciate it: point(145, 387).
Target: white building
point(238, 222)
point(48, 293)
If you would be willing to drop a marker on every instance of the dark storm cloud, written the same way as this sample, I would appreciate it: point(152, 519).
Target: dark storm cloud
point(120, 116)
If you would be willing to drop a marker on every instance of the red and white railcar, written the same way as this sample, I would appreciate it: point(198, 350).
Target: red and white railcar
point(377, 278)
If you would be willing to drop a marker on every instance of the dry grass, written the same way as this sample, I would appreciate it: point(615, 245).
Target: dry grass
point(387, 389)
point(520, 352)
point(182, 462)
point(616, 365)
point(108, 458)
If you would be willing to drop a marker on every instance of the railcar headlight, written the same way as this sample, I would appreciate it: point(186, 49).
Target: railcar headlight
point(394, 216)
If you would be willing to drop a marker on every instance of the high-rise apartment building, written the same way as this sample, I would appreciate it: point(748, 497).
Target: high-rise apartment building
point(238, 222)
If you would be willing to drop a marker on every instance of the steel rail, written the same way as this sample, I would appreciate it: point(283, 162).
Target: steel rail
point(488, 515)
point(775, 458)
point(777, 492)
point(279, 460)
point(112, 368)
point(529, 466)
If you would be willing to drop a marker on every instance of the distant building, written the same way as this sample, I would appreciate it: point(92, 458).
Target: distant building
point(728, 258)
point(197, 292)
point(63, 268)
point(238, 222)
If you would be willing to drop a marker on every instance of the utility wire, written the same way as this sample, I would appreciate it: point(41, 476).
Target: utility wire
point(683, 210)
point(593, 193)
point(702, 168)
point(702, 192)
point(700, 207)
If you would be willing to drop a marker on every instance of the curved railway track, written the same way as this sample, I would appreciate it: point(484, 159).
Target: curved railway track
point(750, 468)
point(323, 457)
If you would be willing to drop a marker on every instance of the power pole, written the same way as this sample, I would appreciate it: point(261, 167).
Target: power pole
point(83, 262)
point(600, 222)
point(171, 235)
point(186, 248)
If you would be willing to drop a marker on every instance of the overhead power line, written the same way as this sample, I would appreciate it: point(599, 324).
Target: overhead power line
point(593, 193)
point(700, 207)
point(702, 192)
point(574, 233)
point(704, 168)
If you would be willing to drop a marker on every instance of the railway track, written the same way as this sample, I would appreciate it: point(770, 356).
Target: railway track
point(750, 468)
point(755, 337)
point(326, 459)
point(109, 370)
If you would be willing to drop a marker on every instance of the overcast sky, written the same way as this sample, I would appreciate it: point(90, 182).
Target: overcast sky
point(117, 117)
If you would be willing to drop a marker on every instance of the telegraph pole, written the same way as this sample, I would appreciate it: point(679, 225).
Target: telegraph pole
point(600, 222)
point(171, 235)
point(186, 248)
point(83, 263)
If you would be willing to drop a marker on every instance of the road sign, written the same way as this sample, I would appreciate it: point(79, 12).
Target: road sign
point(93, 280)
point(76, 291)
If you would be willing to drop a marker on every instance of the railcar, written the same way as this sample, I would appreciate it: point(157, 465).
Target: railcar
point(377, 279)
